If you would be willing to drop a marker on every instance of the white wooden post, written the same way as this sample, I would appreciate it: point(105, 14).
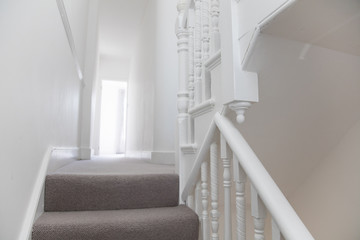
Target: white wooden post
point(190, 202)
point(205, 39)
point(214, 189)
point(237, 85)
point(191, 57)
point(197, 199)
point(276, 234)
point(197, 53)
point(198, 207)
point(183, 94)
point(258, 212)
point(240, 181)
point(215, 36)
point(204, 197)
point(225, 156)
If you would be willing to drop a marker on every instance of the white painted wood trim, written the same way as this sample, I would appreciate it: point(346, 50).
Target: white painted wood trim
point(225, 157)
point(70, 37)
point(189, 149)
point(205, 201)
point(202, 108)
point(139, 154)
point(275, 231)
point(214, 191)
point(261, 26)
point(258, 212)
point(280, 209)
point(203, 152)
point(35, 196)
point(33, 208)
point(283, 7)
point(85, 153)
point(250, 48)
point(213, 61)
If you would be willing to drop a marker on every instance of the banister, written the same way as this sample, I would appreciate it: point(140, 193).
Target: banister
point(204, 149)
point(282, 212)
point(189, 4)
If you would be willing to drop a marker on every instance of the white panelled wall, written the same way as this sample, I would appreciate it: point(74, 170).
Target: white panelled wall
point(153, 85)
point(39, 98)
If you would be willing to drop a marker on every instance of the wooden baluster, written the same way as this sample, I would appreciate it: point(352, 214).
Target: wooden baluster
point(225, 156)
point(191, 30)
point(258, 211)
point(197, 199)
point(215, 36)
point(276, 234)
point(240, 181)
point(198, 208)
point(204, 197)
point(205, 40)
point(205, 34)
point(197, 53)
point(214, 189)
point(183, 58)
point(190, 201)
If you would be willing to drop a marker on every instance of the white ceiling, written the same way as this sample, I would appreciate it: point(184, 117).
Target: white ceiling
point(306, 105)
point(119, 24)
point(333, 24)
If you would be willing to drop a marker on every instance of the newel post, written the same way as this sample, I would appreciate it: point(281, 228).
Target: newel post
point(183, 117)
point(239, 87)
point(183, 56)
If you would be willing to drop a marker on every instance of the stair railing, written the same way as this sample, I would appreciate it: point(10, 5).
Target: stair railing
point(266, 196)
point(199, 52)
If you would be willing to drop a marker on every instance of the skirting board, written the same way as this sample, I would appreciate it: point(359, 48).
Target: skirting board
point(85, 153)
point(138, 154)
point(53, 159)
point(155, 157)
point(163, 158)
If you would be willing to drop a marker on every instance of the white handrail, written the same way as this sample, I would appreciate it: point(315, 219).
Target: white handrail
point(283, 214)
point(201, 156)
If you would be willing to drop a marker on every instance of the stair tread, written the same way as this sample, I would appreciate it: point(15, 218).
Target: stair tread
point(78, 192)
point(177, 223)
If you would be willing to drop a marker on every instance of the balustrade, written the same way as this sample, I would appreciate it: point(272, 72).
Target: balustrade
point(199, 52)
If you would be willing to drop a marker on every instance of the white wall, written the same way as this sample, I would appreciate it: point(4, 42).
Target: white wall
point(306, 106)
point(39, 100)
point(114, 68)
point(166, 81)
point(89, 91)
point(329, 200)
point(153, 82)
point(141, 87)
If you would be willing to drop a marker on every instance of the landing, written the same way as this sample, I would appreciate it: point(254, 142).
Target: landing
point(115, 164)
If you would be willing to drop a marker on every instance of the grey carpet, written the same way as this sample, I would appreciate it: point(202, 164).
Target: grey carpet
point(64, 192)
point(173, 223)
point(83, 202)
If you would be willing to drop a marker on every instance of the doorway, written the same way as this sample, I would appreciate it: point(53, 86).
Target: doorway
point(113, 117)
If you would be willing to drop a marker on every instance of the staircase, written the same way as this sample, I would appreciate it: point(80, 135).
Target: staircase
point(104, 207)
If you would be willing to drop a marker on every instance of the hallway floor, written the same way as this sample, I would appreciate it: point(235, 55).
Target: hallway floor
point(115, 164)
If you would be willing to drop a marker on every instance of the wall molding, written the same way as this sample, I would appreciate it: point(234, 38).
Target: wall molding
point(35, 207)
point(138, 154)
point(70, 37)
point(85, 153)
point(202, 108)
point(214, 61)
point(189, 149)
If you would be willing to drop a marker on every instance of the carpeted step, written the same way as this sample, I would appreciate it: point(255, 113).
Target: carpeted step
point(175, 223)
point(64, 192)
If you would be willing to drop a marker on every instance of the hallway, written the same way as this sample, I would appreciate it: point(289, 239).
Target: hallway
point(115, 164)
